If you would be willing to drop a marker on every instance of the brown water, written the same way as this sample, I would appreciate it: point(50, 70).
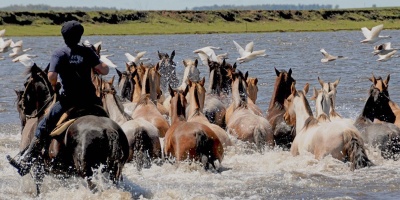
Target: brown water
point(245, 174)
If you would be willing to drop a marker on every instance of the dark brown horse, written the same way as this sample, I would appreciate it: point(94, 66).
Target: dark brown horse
point(89, 141)
point(283, 133)
point(190, 140)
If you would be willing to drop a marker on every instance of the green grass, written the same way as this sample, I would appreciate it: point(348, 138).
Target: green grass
point(168, 26)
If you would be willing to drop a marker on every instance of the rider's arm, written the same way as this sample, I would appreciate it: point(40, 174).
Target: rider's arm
point(52, 76)
point(102, 68)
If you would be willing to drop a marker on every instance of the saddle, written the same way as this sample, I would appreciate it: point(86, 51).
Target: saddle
point(74, 113)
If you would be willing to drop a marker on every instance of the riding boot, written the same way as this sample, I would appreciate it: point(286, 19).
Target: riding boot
point(26, 161)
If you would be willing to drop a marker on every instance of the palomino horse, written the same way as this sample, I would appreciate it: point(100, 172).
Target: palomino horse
point(328, 87)
point(190, 140)
point(144, 143)
point(283, 133)
point(197, 95)
point(391, 115)
point(89, 141)
point(339, 139)
point(244, 123)
point(191, 72)
point(167, 71)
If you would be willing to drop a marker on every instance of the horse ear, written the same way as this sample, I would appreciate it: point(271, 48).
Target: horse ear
point(246, 75)
point(184, 63)
point(46, 70)
point(118, 72)
point(170, 90)
point(321, 82)
point(314, 97)
point(111, 81)
point(203, 80)
point(336, 83)
point(290, 72)
point(305, 89)
point(127, 66)
point(172, 54)
point(387, 79)
point(196, 62)
point(373, 79)
point(159, 55)
point(234, 67)
point(277, 72)
point(186, 90)
point(255, 81)
point(223, 62)
point(293, 88)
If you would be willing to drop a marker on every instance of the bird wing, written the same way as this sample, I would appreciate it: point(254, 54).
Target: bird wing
point(16, 44)
point(387, 46)
point(366, 32)
point(326, 54)
point(376, 30)
point(25, 59)
point(239, 48)
point(130, 57)
point(2, 32)
point(140, 54)
point(203, 58)
point(259, 53)
point(97, 45)
point(107, 61)
point(249, 47)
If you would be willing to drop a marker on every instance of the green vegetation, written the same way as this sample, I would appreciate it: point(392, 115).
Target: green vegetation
point(197, 22)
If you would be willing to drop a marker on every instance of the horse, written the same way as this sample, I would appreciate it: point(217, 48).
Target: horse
point(88, 142)
point(190, 140)
point(144, 143)
point(243, 123)
point(167, 70)
point(195, 114)
point(283, 133)
point(219, 87)
point(341, 140)
point(328, 87)
point(383, 135)
point(191, 72)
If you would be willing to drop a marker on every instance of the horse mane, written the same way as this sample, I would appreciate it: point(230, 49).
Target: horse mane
point(144, 99)
point(323, 117)
point(310, 122)
point(333, 113)
point(118, 100)
point(277, 99)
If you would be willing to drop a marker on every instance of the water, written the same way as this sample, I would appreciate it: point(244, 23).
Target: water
point(245, 174)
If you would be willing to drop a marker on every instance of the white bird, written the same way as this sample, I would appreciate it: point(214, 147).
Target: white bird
point(207, 53)
point(25, 59)
point(137, 58)
point(17, 49)
point(2, 32)
point(383, 49)
point(108, 62)
point(372, 35)
point(386, 57)
point(248, 54)
point(5, 45)
point(328, 57)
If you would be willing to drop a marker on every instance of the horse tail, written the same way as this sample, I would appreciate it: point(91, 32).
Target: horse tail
point(142, 146)
point(119, 152)
point(204, 149)
point(355, 151)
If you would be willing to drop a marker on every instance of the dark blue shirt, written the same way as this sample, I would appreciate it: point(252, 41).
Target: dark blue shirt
point(74, 66)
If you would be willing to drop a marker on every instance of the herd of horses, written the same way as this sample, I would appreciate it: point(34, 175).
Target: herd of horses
point(145, 119)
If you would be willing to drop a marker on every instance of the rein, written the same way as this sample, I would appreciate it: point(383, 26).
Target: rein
point(48, 100)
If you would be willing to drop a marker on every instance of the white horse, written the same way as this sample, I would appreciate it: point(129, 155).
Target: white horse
point(341, 140)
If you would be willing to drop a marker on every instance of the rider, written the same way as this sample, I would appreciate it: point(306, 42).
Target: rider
point(73, 64)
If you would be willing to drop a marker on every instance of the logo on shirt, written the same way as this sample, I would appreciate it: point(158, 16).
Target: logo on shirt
point(75, 59)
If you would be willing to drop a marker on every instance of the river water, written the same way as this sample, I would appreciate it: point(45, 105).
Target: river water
point(244, 174)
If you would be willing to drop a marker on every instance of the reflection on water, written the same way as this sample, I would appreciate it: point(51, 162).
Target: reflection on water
point(245, 174)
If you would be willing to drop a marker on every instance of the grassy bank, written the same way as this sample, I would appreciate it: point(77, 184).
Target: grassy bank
point(198, 22)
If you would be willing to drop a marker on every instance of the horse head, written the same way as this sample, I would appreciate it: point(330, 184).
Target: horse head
point(296, 101)
point(322, 102)
point(197, 94)
point(191, 71)
point(252, 88)
point(381, 84)
point(165, 59)
point(151, 82)
point(220, 76)
point(282, 88)
point(178, 103)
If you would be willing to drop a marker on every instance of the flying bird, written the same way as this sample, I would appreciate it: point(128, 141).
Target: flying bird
point(328, 57)
point(207, 53)
point(372, 36)
point(137, 58)
point(17, 49)
point(247, 54)
point(25, 59)
point(386, 57)
point(383, 49)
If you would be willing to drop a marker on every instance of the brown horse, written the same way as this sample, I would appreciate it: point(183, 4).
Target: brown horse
point(195, 114)
point(340, 139)
point(190, 140)
point(243, 123)
point(283, 133)
point(89, 141)
point(144, 143)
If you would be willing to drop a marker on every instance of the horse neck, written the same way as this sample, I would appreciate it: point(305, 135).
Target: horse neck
point(177, 112)
point(237, 100)
point(195, 106)
point(303, 112)
point(214, 83)
point(279, 94)
point(114, 109)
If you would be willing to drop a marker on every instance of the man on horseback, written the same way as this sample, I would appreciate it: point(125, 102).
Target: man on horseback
point(73, 63)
